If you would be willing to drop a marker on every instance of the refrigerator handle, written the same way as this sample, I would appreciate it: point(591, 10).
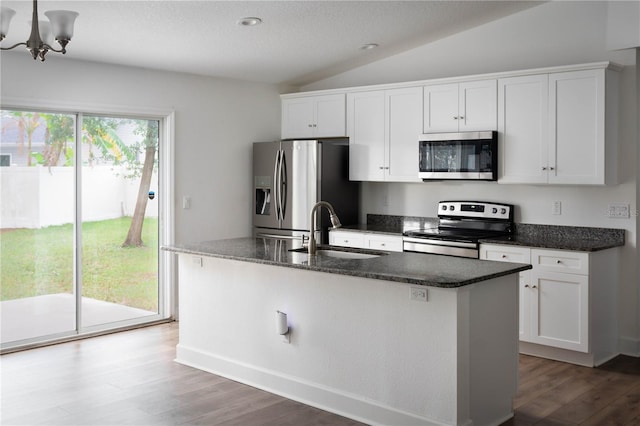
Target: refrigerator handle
point(276, 185)
point(283, 185)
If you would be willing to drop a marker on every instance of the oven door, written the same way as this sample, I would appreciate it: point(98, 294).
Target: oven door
point(436, 246)
point(459, 156)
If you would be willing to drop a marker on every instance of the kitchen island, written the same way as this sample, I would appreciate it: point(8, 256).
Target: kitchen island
point(397, 338)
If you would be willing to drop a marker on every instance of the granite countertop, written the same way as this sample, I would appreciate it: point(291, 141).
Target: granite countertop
point(575, 238)
point(410, 268)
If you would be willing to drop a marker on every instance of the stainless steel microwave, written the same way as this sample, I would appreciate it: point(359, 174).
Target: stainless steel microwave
point(459, 156)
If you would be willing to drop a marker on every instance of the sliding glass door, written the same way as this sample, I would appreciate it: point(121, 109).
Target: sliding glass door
point(79, 231)
point(37, 192)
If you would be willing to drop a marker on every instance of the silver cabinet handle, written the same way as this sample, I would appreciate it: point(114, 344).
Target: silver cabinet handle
point(558, 261)
point(552, 168)
point(544, 168)
point(526, 286)
point(535, 286)
point(455, 118)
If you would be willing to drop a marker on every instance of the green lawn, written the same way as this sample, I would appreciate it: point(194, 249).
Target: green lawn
point(40, 261)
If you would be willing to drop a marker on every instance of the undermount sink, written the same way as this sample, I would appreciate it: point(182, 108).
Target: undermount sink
point(342, 253)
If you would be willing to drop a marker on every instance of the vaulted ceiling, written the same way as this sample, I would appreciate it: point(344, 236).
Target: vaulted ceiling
point(298, 41)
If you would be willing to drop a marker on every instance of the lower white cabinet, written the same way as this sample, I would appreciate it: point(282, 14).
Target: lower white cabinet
point(567, 302)
point(370, 240)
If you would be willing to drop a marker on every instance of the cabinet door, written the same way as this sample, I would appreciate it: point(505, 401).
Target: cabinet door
point(297, 118)
point(576, 122)
point(478, 108)
point(441, 104)
point(560, 310)
point(524, 316)
point(403, 126)
point(330, 119)
point(523, 129)
point(346, 239)
point(366, 131)
point(383, 242)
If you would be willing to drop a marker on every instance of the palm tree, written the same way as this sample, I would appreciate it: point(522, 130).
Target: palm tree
point(28, 122)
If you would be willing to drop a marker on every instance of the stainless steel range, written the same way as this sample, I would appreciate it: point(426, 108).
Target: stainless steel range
point(462, 224)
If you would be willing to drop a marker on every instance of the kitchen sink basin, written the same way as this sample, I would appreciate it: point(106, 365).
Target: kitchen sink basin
point(342, 253)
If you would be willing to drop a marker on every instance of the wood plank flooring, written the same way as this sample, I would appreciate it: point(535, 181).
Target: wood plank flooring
point(130, 378)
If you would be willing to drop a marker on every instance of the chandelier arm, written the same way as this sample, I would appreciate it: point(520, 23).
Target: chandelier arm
point(48, 46)
point(24, 43)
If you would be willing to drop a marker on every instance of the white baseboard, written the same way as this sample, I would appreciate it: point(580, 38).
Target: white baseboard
point(293, 388)
point(629, 346)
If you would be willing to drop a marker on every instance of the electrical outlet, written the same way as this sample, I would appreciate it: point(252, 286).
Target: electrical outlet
point(556, 208)
point(618, 210)
point(186, 202)
point(419, 293)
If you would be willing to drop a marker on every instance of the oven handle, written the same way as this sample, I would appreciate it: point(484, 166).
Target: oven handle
point(440, 242)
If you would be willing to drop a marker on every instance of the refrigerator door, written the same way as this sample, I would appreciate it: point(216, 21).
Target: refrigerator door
point(302, 179)
point(265, 173)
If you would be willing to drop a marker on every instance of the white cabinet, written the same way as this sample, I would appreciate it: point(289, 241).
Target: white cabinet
point(346, 239)
point(460, 107)
point(313, 116)
point(553, 128)
point(523, 107)
point(567, 302)
point(362, 239)
point(577, 152)
point(383, 128)
point(515, 254)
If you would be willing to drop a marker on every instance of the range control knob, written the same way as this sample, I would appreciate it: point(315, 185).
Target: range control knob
point(494, 210)
point(503, 211)
point(444, 207)
point(452, 207)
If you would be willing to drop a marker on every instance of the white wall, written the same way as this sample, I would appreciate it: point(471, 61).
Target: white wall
point(555, 33)
point(216, 121)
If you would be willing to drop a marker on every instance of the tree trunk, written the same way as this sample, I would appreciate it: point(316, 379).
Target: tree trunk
point(134, 236)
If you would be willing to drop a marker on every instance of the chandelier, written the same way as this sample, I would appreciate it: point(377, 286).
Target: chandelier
point(59, 26)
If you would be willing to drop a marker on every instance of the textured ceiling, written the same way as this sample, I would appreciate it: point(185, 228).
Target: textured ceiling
point(298, 42)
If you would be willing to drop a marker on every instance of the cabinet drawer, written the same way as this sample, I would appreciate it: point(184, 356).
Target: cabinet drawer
point(560, 261)
point(346, 239)
point(503, 253)
point(384, 242)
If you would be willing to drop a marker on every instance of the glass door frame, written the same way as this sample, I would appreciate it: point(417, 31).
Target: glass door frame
point(167, 269)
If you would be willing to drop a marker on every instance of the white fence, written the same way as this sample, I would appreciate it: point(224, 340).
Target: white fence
point(36, 197)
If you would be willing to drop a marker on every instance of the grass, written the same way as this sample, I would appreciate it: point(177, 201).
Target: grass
point(35, 262)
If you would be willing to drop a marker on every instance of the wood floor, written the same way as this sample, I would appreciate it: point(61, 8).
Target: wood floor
point(130, 378)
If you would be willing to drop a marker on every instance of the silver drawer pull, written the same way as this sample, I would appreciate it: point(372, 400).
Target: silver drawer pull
point(526, 286)
point(535, 286)
point(558, 261)
point(504, 256)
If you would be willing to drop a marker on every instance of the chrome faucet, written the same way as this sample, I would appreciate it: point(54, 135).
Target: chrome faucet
point(335, 222)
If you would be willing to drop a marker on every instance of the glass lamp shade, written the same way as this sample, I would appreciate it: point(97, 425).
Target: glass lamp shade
point(5, 19)
point(62, 23)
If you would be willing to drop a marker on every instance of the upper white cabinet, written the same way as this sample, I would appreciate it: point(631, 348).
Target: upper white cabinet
point(553, 128)
point(523, 129)
point(313, 116)
point(383, 128)
point(460, 107)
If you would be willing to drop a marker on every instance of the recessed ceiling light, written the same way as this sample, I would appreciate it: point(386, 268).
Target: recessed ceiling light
point(369, 46)
point(249, 21)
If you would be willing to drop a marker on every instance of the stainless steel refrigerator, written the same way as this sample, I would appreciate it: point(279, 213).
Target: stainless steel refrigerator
point(290, 176)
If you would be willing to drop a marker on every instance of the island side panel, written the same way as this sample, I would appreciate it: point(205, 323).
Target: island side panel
point(359, 347)
point(488, 312)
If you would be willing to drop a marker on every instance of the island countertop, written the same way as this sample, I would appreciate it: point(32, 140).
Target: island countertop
point(403, 267)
